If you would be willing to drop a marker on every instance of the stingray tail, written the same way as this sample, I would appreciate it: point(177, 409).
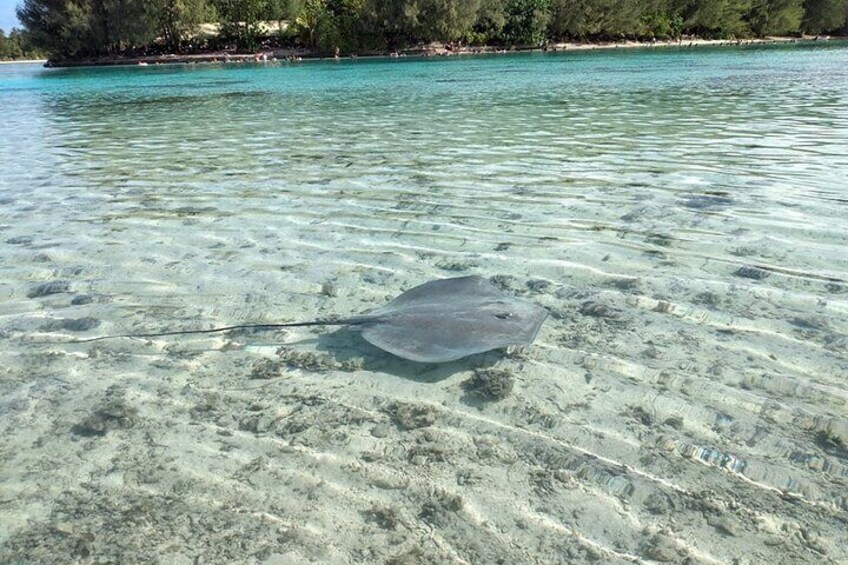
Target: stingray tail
point(261, 327)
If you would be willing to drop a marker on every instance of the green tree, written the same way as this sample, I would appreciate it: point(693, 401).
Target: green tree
point(623, 18)
point(715, 18)
point(17, 45)
point(390, 23)
point(180, 19)
point(239, 21)
point(331, 24)
point(446, 20)
point(129, 24)
point(9, 48)
point(60, 27)
point(825, 16)
point(79, 28)
point(526, 21)
point(489, 23)
point(74, 28)
point(315, 21)
point(45, 21)
point(352, 32)
point(282, 11)
point(662, 25)
point(605, 18)
point(569, 19)
point(22, 44)
point(775, 17)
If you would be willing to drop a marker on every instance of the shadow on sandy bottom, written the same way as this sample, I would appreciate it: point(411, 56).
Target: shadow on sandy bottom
point(345, 346)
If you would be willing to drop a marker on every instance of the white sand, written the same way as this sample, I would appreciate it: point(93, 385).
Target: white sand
point(179, 449)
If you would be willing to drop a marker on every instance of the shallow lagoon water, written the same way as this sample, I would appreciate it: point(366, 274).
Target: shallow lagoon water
point(683, 215)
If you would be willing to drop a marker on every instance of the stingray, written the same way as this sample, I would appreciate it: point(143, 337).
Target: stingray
point(438, 321)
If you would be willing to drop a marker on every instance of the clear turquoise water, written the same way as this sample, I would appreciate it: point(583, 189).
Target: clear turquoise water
point(683, 214)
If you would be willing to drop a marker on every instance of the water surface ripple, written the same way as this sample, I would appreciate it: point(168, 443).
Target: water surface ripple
point(682, 214)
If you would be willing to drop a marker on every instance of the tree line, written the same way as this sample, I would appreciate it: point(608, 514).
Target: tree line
point(80, 28)
point(17, 45)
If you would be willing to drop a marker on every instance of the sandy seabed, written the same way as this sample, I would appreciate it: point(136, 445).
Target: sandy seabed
point(236, 449)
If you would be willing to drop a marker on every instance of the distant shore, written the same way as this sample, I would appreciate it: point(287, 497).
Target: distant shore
point(432, 50)
point(23, 61)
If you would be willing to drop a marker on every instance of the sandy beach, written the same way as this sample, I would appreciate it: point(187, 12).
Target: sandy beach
point(23, 61)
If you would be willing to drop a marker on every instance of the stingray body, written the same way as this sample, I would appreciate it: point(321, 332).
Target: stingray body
point(439, 321)
point(449, 319)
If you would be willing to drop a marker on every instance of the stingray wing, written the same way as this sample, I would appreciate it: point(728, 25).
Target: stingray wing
point(443, 291)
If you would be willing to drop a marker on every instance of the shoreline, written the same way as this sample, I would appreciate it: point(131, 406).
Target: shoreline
point(432, 50)
point(23, 61)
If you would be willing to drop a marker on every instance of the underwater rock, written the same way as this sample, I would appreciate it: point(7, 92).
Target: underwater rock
point(707, 298)
point(490, 384)
point(624, 283)
point(752, 272)
point(659, 239)
point(71, 324)
point(380, 431)
point(266, 369)
point(675, 422)
point(599, 310)
point(659, 503)
point(442, 508)
point(416, 556)
point(329, 289)
point(507, 283)
point(663, 307)
point(305, 360)
point(831, 442)
point(538, 285)
point(20, 240)
point(45, 289)
point(309, 361)
point(408, 416)
point(80, 324)
point(456, 266)
point(706, 201)
point(835, 288)
point(724, 525)
point(640, 415)
point(664, 548)
point(384, 516)
point(113, 413)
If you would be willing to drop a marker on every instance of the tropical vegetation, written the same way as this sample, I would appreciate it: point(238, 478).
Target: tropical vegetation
point(82, 28)
point(17, 45)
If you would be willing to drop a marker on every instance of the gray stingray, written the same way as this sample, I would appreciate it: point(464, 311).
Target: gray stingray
point(439, 321)
point(449, 319)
